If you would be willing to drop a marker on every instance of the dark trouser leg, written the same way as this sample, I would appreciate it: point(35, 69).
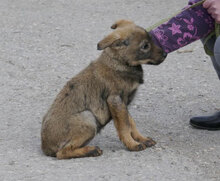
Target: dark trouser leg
point(210, 122)
point(216, 58)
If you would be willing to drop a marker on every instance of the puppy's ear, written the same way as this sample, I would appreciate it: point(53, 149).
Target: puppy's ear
point(121, 23)
point(109, 40)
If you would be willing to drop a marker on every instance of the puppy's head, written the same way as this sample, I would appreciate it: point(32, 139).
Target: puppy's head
point(131, 44)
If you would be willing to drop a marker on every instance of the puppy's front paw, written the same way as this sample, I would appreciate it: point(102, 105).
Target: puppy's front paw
point(138, 147)
point(149, 142)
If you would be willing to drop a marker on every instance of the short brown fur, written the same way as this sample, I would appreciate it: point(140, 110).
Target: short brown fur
point(99, 93)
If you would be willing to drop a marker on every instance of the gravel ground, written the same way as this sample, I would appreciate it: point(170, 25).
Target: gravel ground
point(46, 42)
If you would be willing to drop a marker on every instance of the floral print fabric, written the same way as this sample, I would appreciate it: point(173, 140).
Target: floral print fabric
point(183, 29)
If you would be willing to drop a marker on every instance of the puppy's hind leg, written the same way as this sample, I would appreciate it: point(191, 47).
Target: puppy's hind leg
point(82, 129)
point(86, 151)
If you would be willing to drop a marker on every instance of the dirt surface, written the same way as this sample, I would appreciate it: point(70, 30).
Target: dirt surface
point(43, 43)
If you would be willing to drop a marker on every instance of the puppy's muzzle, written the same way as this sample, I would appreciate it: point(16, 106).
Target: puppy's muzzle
point(157, 62)
point(164, 54)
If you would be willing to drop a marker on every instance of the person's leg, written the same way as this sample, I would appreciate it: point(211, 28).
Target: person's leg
point(210, 122)
point(216, 58)
point(217, 54)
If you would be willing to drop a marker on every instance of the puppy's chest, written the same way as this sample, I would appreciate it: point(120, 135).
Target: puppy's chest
point(128, 91)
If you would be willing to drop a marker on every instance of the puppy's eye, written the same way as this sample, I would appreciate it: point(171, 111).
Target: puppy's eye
point(145, 46)
point(126, 42)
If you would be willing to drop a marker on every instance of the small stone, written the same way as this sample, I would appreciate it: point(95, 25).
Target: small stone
point(11, 163)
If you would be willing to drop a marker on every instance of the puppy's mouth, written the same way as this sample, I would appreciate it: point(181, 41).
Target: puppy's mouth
point(154, 62)
point(157, 62)
point(147, 61)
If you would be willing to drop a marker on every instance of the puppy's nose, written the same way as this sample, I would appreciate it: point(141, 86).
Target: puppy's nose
point(164, 54)
point(98, 47)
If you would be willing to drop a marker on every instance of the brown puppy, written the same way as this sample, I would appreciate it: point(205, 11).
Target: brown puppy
point(99, 93)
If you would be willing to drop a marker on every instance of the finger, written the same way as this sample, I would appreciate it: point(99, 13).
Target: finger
point(211, 10)
point(207, 4)
point(217, 19)
point(214, 16)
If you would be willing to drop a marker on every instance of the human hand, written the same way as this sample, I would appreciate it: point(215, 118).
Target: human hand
point(213, 7)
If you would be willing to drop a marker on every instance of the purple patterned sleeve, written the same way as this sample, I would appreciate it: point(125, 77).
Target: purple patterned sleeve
point(183, 29)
